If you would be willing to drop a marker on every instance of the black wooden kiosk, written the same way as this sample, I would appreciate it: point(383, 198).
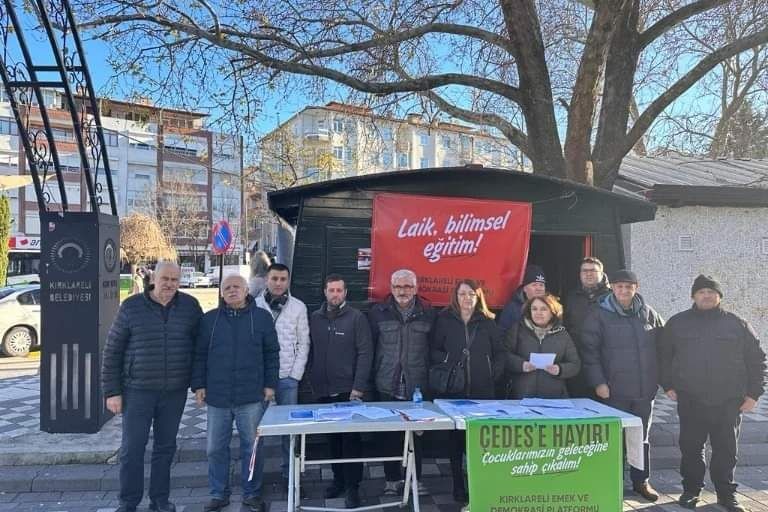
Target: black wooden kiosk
point(570, 220)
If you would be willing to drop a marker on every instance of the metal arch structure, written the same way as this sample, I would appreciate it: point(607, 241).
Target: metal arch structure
point(79, 265)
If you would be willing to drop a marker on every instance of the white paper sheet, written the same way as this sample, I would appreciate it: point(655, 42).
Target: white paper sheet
point(542, 360)
point(417, 414)
point(557, 403)
point(375, 413)
point(333, 414)
point(553, 412)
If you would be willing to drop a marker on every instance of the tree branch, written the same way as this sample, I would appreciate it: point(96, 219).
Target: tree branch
point(674, 18)
point(310, 69)
point(683, 84)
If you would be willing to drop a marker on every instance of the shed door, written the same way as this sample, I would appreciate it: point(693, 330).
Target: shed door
point(341, 245)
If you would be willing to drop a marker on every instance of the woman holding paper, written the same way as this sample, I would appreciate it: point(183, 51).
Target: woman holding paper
point(466, 338)
point(542, 355)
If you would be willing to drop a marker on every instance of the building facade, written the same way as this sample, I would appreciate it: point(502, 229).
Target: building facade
point(164, 162)
point(339, 140)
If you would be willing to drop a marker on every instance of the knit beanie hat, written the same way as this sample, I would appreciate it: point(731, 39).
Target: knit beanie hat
point(534, 274)
point(703, 281)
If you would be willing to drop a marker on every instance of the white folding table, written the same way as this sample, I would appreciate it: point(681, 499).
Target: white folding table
point(276, 422)
point(632, 425)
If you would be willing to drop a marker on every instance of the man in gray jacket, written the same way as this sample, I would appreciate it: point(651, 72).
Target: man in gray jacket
point(619, 360)
point(401, 326)
point(146, 370)
point(715, 369)
point(342, 353)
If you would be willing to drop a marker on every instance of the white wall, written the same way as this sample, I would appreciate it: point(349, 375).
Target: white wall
point(726, 242)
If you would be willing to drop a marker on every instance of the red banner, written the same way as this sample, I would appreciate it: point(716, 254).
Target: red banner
point(444, 239)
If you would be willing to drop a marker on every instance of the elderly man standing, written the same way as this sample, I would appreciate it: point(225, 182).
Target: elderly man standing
point(620, 361)
point(401, 326)
point(715, 369)
point(146, 370)
point(342, 353)
point(291, 321)
point(235, 373)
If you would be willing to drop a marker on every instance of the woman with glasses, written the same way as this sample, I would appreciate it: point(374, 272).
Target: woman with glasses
point(466, 337)
point(541, 331)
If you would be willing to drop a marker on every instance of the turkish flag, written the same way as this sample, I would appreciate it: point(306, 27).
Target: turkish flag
point(444, 239)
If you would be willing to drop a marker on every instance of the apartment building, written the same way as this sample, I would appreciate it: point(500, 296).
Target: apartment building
point(163, 161)
point(339, 140)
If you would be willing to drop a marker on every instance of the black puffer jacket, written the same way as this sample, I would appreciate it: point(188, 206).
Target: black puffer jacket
point(401, 345)
point(620, 348)
point(487, 357)
point(521, 341)
point(150, 347)
point(341, 351)
point(712, 356)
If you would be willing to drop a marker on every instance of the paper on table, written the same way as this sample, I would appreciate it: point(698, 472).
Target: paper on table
point(542, 360)
point(552, 412)
point(417, 414)
point(557, 403)
point(515, 410)
point(375, 413)
point(334, 414)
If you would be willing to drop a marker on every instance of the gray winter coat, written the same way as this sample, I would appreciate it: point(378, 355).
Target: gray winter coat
point(402, 345)
point(521, 342)
point(619, 348)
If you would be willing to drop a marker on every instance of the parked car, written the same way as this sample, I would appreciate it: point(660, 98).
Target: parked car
point(202, 280)
point(19, 319)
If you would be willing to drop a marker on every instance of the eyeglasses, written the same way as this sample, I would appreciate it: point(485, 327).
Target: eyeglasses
point(404, 287)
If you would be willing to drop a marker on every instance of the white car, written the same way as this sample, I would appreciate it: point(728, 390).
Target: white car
point(202, 280)
point(19, 319)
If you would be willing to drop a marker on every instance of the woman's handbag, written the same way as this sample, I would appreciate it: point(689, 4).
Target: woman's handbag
point(447, 377)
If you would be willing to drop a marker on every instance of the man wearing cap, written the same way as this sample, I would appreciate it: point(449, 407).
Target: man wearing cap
point(714, 368)
point(619, 355)
point(534, 285)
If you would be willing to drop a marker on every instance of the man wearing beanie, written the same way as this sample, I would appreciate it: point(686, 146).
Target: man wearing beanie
point(619, 357)
point(534, 285)
point(714, 368)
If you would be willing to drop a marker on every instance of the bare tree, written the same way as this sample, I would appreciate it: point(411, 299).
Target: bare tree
point(484, 62)
point(143, 240)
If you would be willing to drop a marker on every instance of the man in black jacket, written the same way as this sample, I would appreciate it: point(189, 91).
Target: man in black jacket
point(342, 353)
point(146, 370)
point(401, 326)
point(620, 360)
point(714, 367)
point(593, 286)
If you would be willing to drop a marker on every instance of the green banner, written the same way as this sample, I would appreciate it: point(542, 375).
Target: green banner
point(545, 465)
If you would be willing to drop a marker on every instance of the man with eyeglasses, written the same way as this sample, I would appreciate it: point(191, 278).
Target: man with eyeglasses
point(401, 325)
point(593, 287)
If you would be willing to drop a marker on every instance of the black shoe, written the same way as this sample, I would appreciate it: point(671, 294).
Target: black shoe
point(645, 490)
point(730, 503)
point(352, 499)
point(334, 491)
point(216, 504)
point(688, 500)
point(254, 503)
point(165, 507)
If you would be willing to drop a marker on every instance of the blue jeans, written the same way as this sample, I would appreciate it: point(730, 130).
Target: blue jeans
point(287, 393)
point(160, 410)
point(246, 418)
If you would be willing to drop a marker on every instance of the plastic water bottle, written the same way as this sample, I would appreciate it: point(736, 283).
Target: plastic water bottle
point(418, 398)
